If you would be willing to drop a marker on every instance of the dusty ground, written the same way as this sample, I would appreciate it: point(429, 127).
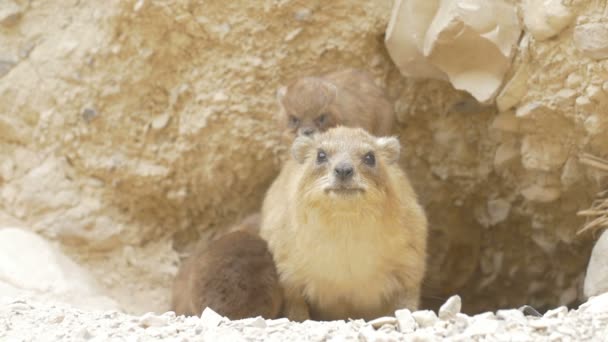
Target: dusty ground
point(129, 130)
point(34, 321)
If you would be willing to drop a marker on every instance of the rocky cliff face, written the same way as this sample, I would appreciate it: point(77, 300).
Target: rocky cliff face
point(131, 129)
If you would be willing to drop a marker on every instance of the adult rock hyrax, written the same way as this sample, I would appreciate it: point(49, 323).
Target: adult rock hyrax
point(234, 275)
point(347, 97)
point(345, 229)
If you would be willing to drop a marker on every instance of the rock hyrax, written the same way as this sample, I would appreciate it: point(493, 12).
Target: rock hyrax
point(235, 276)
point(345, 229)
point(348, 97)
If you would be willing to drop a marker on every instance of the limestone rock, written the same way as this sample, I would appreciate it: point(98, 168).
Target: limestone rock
point(473, 43)
point(543, 154)
point(405, 320)
point(450, 308)
point(596, 279)
point(514, 90)
point(546, 18)
point(31, 266)
point(542, 194)
point(425, 318)
point(469, 42)
point(592, 39)
point(405, 34)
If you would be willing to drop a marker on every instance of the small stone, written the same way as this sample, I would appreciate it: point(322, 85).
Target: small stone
point(482, 327)
point(505, 155)
point(302, 14)
point(277, 322)
point(138, 5)
point(149, 319)
point(380, 321)
point(84, 334)
point(546, 18)
point(527, 310)
point(367, 334)
point(506, 122)
point(10, 13)
point(258, 322)
point(88, 114)
point(161, 121)
point(592, 39)
point(556, 313)
point(539, 323)
point(511, 315)
point(425, 318)
point(210, 318)
point(498, 210)
point(450, 308)
point(405, 320)
point(537, 193)
point(292, 34)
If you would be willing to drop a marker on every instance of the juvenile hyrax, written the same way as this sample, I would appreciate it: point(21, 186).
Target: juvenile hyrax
point(235, 276)
point(345, 228)
point(348, 98)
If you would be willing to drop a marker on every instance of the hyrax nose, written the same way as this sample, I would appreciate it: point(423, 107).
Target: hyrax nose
point(344, 171)
point(307, 131)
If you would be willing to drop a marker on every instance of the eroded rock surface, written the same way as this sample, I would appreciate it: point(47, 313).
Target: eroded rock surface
point(30, 267)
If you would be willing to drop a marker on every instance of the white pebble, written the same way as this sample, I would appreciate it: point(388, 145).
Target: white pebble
point(557, 313)
point(210, 318)
point(149, 319)
point(258, 322)
point(450, 308)
point(406, 321)
point(425, 318)
point(380, 321)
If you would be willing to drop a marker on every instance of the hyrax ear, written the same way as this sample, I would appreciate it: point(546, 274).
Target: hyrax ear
point(390, 148)
point(300, 148)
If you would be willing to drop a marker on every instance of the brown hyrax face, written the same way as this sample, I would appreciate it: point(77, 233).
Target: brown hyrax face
point(345, 163)
point(306, 106)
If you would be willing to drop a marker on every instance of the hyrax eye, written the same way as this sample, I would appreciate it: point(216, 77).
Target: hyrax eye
point(321, 119)
point(369, 159)
point(321, 157)
point(293, 121)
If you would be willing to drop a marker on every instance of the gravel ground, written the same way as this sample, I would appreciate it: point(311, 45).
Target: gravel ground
point(26, 320)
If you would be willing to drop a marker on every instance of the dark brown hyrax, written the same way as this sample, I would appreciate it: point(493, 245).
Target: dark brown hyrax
point(234, 275)
point(348, 97)
point(345, 228)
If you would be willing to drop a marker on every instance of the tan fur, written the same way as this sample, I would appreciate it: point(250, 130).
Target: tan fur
point(348, 97)
point(345, 256)
point(235, 276)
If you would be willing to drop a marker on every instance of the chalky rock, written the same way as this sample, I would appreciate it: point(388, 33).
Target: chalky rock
point(592, 39)
point(450, 308)
point(596, 279)
point(406, 321)
point(31, 266)
point(469, 42)
point(405, 33)
point(425, 318)
point(545, 18)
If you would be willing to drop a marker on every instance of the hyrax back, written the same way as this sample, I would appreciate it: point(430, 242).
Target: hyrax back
point(235, 276)
point(345, 228)
point(348, 97)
